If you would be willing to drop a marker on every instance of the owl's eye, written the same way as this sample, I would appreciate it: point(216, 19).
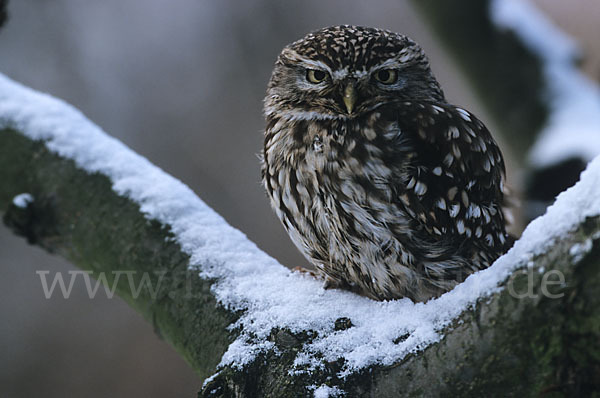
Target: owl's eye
point(386, 76)
point(315, 76)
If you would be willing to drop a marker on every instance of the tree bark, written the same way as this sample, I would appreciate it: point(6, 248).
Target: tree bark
point(78, 216)
point(516, 341)
point(3, 14)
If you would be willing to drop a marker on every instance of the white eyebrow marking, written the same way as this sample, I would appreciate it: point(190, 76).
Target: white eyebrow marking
point(293, 115)
point(312, 64)
point(340, 74)
point(388, 64)
point(360, 73)
point(309, 63)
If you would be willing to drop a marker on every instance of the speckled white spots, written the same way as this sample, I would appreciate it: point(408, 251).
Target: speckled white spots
point(436, 109)
point(465, 198)
point(486, 215)
point(374, 117)
point(460, 227)
point(454, 210)
point(480, 144)
point(441, 203)
point(470, 131)
point(452, 193)
point(405, 55)
point(392, 131)
point(456, 151)
point(486, 164)
point(501, 238)
point(478, 232)
point(467, 138)
point(420, 188)
point(317, 144)
point(473, 211)
point(448, 159)
point(437, 171)
point(464, 114)
point(453, 132)
point(369, 133)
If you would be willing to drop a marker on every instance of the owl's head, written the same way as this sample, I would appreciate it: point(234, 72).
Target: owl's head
point(347, 71)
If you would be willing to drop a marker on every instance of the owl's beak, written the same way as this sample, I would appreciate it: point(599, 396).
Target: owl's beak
point(350, 97)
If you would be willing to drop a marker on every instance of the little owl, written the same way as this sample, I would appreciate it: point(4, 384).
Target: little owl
point(389, 190)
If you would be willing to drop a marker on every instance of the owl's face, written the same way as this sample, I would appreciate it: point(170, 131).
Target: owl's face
point(347, 71)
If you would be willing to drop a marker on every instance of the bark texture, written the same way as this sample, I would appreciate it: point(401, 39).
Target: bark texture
point(524, 340)
point(78, 216)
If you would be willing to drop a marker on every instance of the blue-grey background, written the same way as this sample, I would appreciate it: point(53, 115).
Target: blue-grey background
point(180, 82)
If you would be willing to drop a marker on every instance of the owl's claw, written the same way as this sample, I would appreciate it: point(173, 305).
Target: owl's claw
point(305, 271)
point(331, 283)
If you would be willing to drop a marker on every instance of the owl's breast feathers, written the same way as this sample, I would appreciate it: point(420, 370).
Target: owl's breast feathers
point(412, 188)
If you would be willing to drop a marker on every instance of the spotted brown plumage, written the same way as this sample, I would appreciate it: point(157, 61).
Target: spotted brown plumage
point(385, 187)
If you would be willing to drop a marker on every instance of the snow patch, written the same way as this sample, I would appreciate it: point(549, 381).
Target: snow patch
point(22, 200)
point(579, 250)
point(248, 279)
point(326, 392)
point(573, 126)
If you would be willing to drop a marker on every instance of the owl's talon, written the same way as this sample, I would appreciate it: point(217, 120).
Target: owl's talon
point(304, 271)
point(331, 283)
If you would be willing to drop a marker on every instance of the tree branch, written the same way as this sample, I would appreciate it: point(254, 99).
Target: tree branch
point(227, 307)
point(78, 216)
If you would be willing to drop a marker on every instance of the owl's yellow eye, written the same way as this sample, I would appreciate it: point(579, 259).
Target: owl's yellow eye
point(315, 76)
point(386, 76)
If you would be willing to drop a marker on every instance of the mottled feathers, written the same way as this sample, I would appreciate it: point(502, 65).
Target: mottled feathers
point(385, 187)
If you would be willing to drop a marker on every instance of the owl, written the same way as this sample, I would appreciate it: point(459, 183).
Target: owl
point(389, 190)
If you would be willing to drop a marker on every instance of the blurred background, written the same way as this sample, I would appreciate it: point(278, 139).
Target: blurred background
point(181, 83)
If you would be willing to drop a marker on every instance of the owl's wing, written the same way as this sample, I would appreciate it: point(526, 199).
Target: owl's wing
point(455, 181)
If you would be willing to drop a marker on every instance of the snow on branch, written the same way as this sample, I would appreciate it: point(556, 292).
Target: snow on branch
point(248, 282)
point(572, 128)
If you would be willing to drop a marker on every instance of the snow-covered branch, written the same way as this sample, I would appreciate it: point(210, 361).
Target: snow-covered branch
point(234, 312)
